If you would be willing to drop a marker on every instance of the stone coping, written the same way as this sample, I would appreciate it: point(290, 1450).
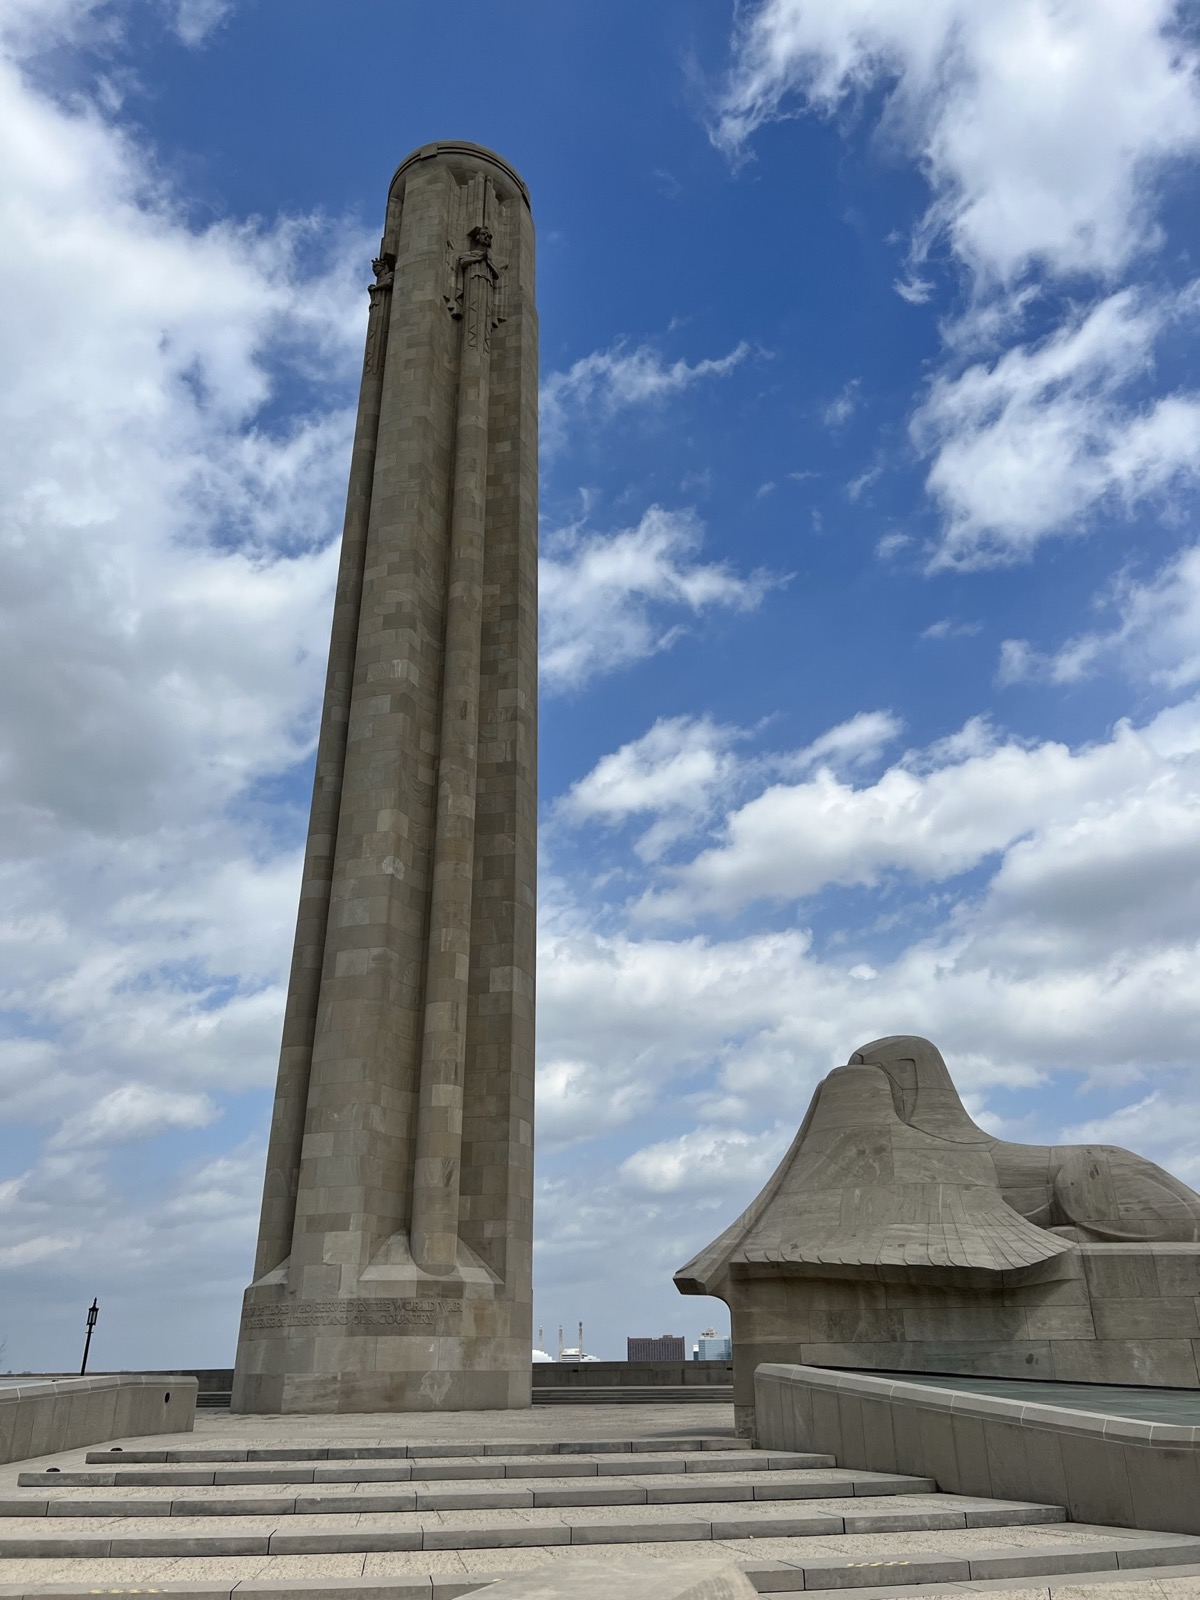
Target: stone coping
point(967, 1403)
point(39, 1388)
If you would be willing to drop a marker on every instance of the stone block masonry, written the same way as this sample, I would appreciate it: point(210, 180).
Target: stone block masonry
point(394, 1253)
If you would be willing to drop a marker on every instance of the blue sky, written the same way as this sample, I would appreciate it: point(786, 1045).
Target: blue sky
point(870, 594)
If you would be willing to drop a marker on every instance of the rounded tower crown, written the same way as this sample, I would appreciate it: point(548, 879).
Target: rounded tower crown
point(464, 159)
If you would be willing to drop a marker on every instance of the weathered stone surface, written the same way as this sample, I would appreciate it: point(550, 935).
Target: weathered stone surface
point(619, 1580)
point(393, 1267)
point(897, 1234)
point(1101, 1469)
point(45, 1414)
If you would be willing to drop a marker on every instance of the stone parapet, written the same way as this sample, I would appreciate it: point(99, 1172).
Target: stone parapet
point(1104, 1469)
point(45, 1415)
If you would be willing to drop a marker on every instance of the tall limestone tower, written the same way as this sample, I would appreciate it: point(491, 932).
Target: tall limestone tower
point(393, 1268)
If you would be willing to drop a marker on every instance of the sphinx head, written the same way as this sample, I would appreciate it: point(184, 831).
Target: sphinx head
point(922, 1090)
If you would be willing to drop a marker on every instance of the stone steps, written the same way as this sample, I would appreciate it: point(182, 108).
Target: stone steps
point(725, 1442)
point(411, 1532)
point(173, 1475)
point(439, 1494)
point(184, 1520)
point(631, 1395)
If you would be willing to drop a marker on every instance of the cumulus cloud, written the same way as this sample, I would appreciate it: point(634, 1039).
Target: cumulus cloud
point(685, 768)
point(1070, 952)
point(1024, 447)
point(676, 772)
point(1046, 132)
point(599, 385)
point(167, 558)
point(930, 817)
point(1041, 125)
point(606, 599)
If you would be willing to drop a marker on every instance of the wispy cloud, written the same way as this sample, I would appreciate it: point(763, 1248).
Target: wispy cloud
point(1156, 635)
point(599, 385)
point(947, 628)
point(839, 410)
point(608, 599)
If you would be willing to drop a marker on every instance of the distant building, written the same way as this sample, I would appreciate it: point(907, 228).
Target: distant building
point(667, 1348)
point(711, 1346)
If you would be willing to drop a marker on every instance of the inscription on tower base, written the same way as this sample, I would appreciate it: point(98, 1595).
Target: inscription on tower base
point(421, 1315)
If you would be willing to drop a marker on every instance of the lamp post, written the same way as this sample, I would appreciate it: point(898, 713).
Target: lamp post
point(93, 1313)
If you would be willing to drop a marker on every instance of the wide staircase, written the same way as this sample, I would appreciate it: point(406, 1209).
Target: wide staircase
point(440, 1519)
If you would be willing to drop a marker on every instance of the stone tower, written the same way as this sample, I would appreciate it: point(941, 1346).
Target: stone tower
point(393, 1266)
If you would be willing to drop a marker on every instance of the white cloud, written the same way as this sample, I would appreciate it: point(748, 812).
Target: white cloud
point(705, 1159)
point(1156, 636)
point(931, 817)
point(684, 768)
point(1025, 447)
point(891, 545)
point(947, 628)
point(602, 596)
point(676, 772)
point(166, 566)
point(39, 1248)
point(194, 20)
point(858, 486)
point(599, 385)
point(1041, 125)
point(917, 291)
point(1066, 959)
point(839, 410)
point(1075, 954)
point(855, 743)
point(1045, 130)
point(132, 1111)
point(28, 27)
point(579, 1100)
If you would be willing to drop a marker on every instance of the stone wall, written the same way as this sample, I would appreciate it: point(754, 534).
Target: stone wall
point(630, 1374)
point(44, 1415)
point(1114, 1313)
point(1108, 1470)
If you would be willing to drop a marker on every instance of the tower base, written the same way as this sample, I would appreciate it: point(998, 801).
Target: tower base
point(406, 1341)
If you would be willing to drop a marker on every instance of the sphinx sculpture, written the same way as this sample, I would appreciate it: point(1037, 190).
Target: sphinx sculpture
point(897, 1235)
